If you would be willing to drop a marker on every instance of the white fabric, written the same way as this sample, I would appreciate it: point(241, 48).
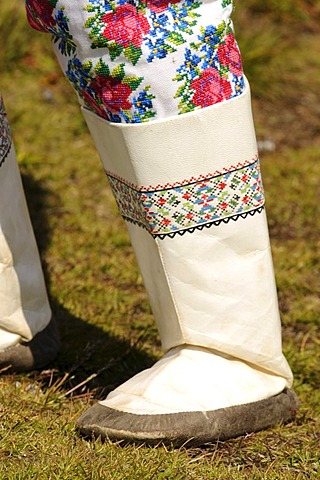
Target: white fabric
point(190, 379)
point(8, 339)
point(212, 288)
point(179, 147)
point(216, 289)
point(24, 306)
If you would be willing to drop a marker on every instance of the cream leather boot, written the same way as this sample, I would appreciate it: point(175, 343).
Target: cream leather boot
point(28, 336)
point(190, 190)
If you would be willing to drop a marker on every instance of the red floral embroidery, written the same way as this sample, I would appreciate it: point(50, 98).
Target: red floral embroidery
point(39, 14)
point(113, 94)
point(229, 55)
point(159, 6)
point(210, 88)
point(125, 26)
point(92, 102)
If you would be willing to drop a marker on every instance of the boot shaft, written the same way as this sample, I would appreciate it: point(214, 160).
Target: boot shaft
point(190, 190)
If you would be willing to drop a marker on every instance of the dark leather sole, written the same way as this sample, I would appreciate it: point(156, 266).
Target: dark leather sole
point(37, 353)
point(188, 428)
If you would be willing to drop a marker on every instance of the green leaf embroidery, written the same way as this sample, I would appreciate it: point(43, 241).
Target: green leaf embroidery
point(114, 50)
point(133, 54)
point(176, 38)
point(132, 82)
point(118, 72)
point(102, 68)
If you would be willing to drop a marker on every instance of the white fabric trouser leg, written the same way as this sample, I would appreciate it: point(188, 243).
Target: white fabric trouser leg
point(24, 306)
point(190, 189)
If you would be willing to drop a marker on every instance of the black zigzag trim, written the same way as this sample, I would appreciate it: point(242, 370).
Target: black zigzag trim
point(161, 236)
point(2, 160)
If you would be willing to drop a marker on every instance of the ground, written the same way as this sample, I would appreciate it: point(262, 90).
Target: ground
point(95, 288)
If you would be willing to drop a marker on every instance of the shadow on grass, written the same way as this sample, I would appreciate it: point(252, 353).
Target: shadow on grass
point(91, 359)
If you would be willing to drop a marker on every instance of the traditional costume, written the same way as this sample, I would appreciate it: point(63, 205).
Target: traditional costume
point(164, 96)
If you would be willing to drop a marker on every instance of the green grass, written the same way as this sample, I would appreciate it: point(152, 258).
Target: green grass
point(95, 287)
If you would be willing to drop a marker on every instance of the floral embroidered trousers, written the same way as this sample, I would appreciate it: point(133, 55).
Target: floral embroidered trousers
point(137, 60)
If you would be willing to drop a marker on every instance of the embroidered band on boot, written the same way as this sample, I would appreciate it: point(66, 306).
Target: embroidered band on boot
point(190, 190)
point(28, 337)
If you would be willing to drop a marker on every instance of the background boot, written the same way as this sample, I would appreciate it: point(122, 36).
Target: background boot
point(28, 337)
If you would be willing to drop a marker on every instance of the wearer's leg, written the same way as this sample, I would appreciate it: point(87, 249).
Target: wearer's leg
point(190, 190)
point(25, 313)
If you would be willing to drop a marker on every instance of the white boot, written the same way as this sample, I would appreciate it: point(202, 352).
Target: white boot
point(191, 191)
point(28, 339)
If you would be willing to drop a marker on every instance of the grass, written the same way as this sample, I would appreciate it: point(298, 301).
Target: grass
point(95, 287)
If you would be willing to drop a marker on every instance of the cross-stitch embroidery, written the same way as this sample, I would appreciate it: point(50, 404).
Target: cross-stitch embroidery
point(120, 38)
point(41, 16)
point(108, 93)
point(127, 28)
point(5, 134)
point(212, 71)
point(207, 200)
